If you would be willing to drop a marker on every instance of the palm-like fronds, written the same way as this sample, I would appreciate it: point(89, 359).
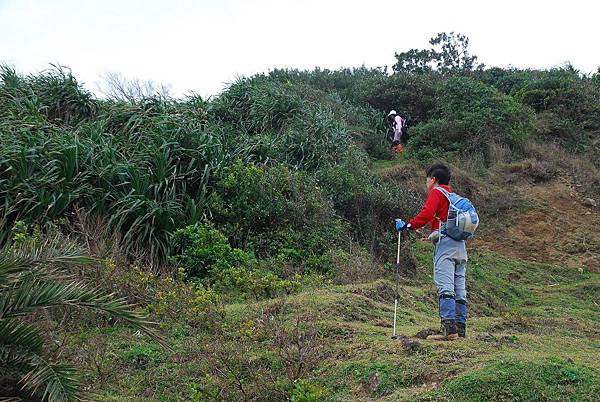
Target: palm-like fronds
point(15, 334)
point(60, 382)
point(46, 258)
point(35, 277)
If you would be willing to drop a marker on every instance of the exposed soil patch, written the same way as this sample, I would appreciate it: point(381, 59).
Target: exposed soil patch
point(562, 231)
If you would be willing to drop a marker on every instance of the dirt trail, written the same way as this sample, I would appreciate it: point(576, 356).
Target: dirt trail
point(560, 231)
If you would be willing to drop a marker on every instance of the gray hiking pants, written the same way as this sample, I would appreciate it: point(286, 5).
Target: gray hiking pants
point(449, 269)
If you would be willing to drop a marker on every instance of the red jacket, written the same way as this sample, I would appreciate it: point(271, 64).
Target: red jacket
point(436, 203)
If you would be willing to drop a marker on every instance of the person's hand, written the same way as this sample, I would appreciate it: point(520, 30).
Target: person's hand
point(401, 225)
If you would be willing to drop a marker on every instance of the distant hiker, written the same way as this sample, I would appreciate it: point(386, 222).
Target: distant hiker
point(450, 255)
point(398, 130)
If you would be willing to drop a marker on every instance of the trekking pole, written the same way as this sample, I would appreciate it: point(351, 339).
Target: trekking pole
point(397, 278)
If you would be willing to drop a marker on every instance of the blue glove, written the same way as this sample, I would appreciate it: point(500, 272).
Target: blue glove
point(401, 225)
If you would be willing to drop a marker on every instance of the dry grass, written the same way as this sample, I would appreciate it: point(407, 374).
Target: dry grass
point(578, 168)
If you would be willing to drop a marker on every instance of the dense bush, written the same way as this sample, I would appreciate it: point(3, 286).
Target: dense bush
point(146, 167)
point(596, 79)
point(507, 81)
point(251, 201)
point(53, 95)
point(568, 105)
point(365, 201)
point(276, 162)
point(294, 122)
point(254, 105)
point(567, 102)
point(468, 116)
point(203, 251)
point(205, 255)
point(343, 81)
point(155, 166)
point(413, 96)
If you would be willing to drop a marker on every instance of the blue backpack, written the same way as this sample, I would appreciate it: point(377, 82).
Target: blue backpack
point(462, 217)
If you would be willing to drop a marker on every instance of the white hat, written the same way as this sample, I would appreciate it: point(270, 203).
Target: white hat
point(392, 112)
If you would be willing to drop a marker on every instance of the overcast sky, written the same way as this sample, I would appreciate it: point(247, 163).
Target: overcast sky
point(201, 45)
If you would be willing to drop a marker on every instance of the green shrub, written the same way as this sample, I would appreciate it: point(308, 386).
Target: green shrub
point(291, 252)
point(257, 282)
point(146, 166)
point(270, 208)
point(21, 234)
point(305, 391)
point(343, 81)
point(39, 172)
point(53, 95)
point(288, 121)
point(256, 104)
point(413, 96)
point(368, 126)
point(570, 103)
point(561, 90)
point(314, 141)
point(469, 115)
point(507, 81)
point(596, 79)
point(143, 356)
point(204, 252)
point(271, 161)
point(366, 201)
point(343, 95)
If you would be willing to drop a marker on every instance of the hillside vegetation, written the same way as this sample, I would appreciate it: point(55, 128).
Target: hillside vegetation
point(255, 229)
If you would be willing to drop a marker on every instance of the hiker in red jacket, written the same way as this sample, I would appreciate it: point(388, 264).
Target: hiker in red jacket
point(450, 256)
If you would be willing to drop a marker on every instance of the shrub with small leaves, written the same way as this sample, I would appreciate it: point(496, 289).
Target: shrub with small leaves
point(306, 391)
point(470, 114)
point(203, 252)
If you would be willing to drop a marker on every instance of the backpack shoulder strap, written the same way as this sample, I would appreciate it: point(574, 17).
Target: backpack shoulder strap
point(449, 203)
point(443, 191)
point(447, 195)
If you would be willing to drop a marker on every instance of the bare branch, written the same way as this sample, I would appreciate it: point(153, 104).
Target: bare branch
point(116, 86)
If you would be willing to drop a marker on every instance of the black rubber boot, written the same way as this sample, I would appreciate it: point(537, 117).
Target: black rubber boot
point(461, 328)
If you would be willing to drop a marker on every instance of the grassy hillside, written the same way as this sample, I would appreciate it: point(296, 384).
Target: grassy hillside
point(255, 229)
point(533, 335)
